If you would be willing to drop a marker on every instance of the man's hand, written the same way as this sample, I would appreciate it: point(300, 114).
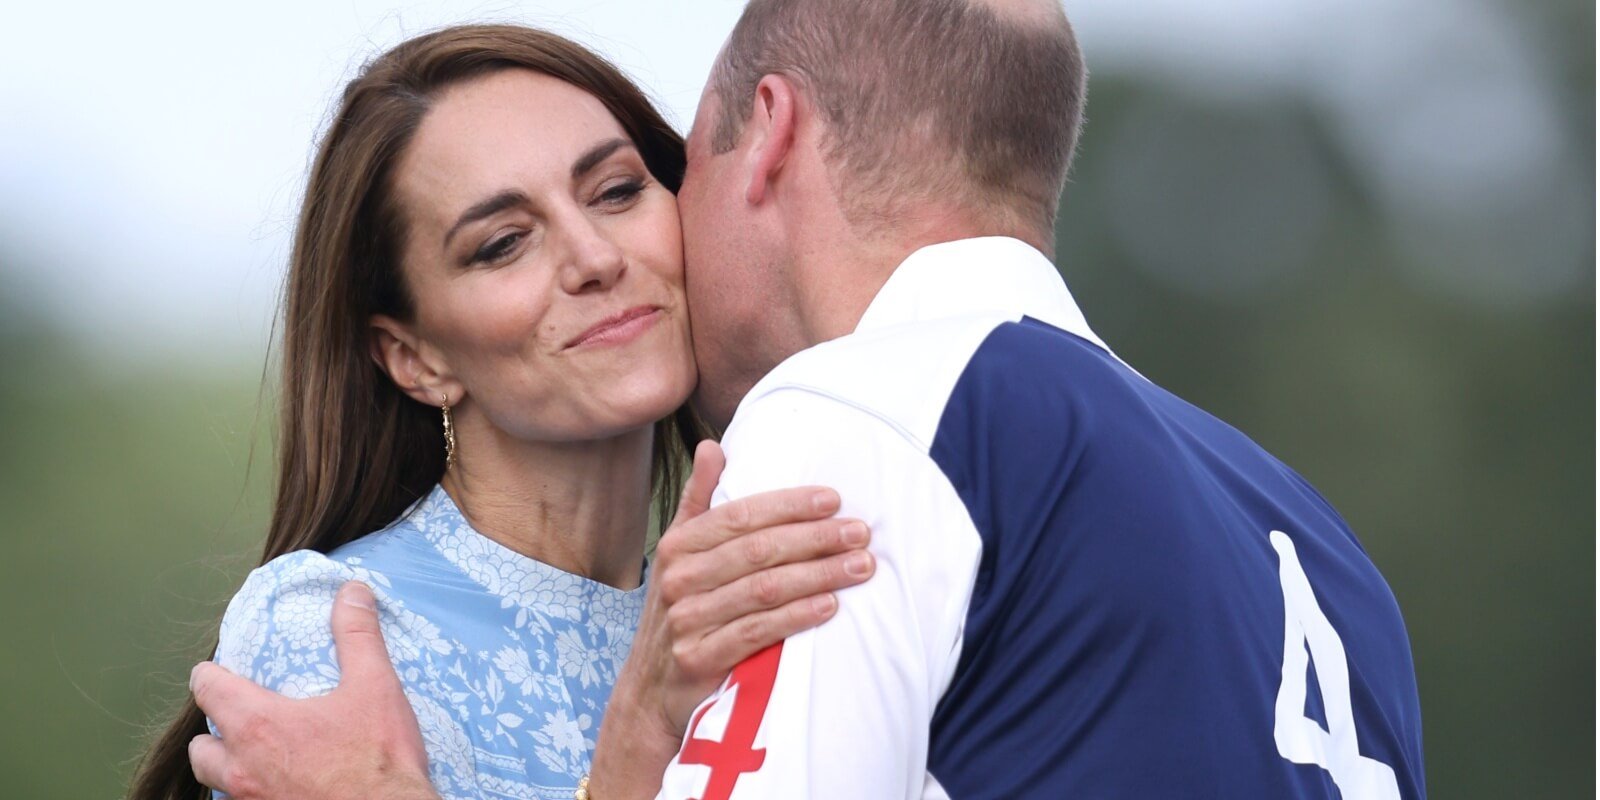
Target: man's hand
point(727, 582)
point(358, 741)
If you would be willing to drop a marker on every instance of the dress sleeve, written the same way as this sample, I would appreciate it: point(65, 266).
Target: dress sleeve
point(842, 710)
point(276, 631)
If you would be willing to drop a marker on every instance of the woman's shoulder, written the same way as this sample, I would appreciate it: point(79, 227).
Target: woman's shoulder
point(311, 578)
point(277, 631)
point(297, 571)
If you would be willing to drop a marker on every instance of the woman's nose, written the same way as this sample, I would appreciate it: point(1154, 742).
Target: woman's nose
point(594, 262)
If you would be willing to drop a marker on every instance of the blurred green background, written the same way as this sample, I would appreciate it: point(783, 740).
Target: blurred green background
point(1373, 279)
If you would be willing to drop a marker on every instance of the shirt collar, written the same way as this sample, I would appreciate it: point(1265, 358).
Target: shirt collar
point(514, 577)
point(991, 275)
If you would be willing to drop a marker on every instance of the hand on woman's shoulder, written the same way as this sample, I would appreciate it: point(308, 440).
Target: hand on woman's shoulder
point(277, 632)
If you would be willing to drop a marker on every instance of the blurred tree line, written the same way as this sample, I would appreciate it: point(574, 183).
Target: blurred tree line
point(131, 522)
point(1228, 248)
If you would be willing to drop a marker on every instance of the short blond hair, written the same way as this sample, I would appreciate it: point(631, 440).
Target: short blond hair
point(950, 100)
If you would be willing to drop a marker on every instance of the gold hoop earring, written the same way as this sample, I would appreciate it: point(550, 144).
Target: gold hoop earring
point(449, 434)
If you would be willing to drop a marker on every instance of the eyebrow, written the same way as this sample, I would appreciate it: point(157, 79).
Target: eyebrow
point(596, 155)
point(511, 198)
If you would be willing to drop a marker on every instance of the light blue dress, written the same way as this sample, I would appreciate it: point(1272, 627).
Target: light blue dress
point(507, 661)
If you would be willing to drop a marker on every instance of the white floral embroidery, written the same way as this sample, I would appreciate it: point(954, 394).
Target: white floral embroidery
point(577, 658)
point(513, 663)
point(507, 662)
point(247, 619)
point(300, 614)
point(566, 733)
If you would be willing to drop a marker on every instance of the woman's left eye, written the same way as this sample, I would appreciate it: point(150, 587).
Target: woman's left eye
point(620, 193)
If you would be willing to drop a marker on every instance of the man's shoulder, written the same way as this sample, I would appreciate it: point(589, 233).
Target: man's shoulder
point(909, 377)
point(898, 378)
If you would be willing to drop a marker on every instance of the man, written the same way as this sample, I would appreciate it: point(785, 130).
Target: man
point(1086, 587)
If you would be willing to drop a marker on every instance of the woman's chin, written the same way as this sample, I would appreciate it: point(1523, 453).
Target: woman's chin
point(646, 405)
point(657, 395)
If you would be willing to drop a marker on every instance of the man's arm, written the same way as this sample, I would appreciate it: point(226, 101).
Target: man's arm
point(729, 582)
point(842, 710)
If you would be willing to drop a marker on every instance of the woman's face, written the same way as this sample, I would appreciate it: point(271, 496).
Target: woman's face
point(545, 264)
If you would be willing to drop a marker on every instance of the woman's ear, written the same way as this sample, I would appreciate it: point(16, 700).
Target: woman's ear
point(397, 350)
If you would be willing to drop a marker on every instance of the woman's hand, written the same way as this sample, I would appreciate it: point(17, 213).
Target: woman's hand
point(726, 583)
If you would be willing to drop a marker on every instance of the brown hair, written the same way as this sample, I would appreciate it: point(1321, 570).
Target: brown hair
point(353, 451)
point(1000, 92)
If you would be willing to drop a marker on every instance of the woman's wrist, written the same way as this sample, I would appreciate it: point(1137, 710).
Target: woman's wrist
point(633, 750)
point(405, 788)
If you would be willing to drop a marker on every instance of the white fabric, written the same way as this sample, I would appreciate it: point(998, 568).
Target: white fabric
point(852, 702)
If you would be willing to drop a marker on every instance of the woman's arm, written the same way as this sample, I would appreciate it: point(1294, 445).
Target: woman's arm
point(727, 582)
point(276, 638)
point(359, 740)
point(275, 629)
point(755, 589)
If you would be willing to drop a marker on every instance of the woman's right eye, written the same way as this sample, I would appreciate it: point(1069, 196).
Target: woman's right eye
point(496, 249)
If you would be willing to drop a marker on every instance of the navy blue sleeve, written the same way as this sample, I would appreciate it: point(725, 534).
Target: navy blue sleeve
point(1133, 630)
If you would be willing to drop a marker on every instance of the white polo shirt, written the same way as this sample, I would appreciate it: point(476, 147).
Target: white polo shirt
point(1076, 592)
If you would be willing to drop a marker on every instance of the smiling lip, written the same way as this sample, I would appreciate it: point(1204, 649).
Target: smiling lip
point(618, 328)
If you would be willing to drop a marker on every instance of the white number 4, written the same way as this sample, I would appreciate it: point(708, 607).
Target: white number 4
point(1300, 739)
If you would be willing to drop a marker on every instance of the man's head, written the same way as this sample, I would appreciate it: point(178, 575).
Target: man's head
point(836, 136)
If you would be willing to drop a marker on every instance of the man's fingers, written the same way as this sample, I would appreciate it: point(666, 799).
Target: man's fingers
point(764, 510)
point(771, 547)
point(224, 696)
point(708, 463)
point(208, 758)
point(357, 639)
point(745, 601)
point(725, 647)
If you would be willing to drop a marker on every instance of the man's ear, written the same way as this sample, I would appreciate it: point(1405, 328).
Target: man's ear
point(771, 128)
point(397, 350)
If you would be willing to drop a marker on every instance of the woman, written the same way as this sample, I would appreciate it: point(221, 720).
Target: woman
point(486, 364)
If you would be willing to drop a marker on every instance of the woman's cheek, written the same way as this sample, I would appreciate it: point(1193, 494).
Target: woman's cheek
point(509, 314)
point(665, 239)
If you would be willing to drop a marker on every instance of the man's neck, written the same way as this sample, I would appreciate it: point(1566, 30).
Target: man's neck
point(840, 276)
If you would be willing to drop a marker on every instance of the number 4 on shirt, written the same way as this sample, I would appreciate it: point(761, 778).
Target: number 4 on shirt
point(750, 689)
point(1300, 739)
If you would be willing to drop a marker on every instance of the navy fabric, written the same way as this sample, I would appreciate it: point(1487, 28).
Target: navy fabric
point(1126, 632)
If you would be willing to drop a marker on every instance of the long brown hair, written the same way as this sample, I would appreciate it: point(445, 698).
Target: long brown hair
point(353, 451)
